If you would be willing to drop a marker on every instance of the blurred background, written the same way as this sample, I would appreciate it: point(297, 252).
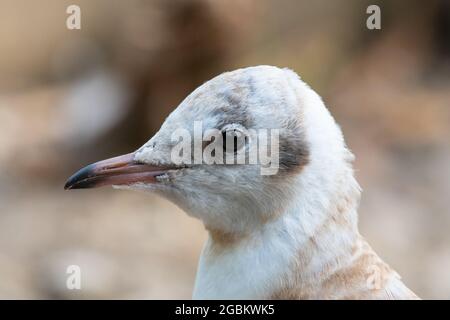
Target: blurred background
point(71, 97)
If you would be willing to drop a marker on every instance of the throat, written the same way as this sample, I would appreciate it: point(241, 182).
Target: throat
point(282, 259)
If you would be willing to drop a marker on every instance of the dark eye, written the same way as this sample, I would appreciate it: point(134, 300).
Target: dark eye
point(232, 140)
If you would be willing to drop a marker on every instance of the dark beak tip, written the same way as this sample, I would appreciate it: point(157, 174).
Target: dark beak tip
point(77, 180)
point(67, 186)
point(70, 184)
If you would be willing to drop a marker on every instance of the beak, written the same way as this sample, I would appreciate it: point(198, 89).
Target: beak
point(122, 170)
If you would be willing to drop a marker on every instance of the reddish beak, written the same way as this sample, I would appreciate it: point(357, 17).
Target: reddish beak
point(122, 170)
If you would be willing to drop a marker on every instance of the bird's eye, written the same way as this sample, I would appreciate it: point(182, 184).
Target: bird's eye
point(233, 140)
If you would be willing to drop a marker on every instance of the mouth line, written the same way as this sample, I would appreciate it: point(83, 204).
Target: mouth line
point(122, 179)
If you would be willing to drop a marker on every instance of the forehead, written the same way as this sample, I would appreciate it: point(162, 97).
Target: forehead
point(248, 96)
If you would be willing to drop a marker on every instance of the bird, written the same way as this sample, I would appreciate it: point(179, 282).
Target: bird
point(287, 234)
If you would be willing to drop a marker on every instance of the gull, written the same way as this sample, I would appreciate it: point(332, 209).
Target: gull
point(288, 235)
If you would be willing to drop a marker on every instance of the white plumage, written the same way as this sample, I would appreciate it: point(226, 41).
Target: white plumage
point(293, 235)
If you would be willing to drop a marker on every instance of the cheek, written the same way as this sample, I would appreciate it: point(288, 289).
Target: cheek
point(219, 183)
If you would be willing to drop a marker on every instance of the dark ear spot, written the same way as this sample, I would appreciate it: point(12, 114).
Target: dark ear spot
point(294, 155)
point(294, 150)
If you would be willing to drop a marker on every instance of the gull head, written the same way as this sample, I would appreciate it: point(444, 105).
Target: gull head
point(236, 152)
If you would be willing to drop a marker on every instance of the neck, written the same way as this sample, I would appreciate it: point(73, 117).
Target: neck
point(313, 250)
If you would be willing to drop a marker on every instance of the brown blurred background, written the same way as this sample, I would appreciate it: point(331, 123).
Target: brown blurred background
point(69, 97)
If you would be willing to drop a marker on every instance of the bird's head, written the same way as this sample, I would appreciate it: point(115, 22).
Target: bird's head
point(234, 152)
